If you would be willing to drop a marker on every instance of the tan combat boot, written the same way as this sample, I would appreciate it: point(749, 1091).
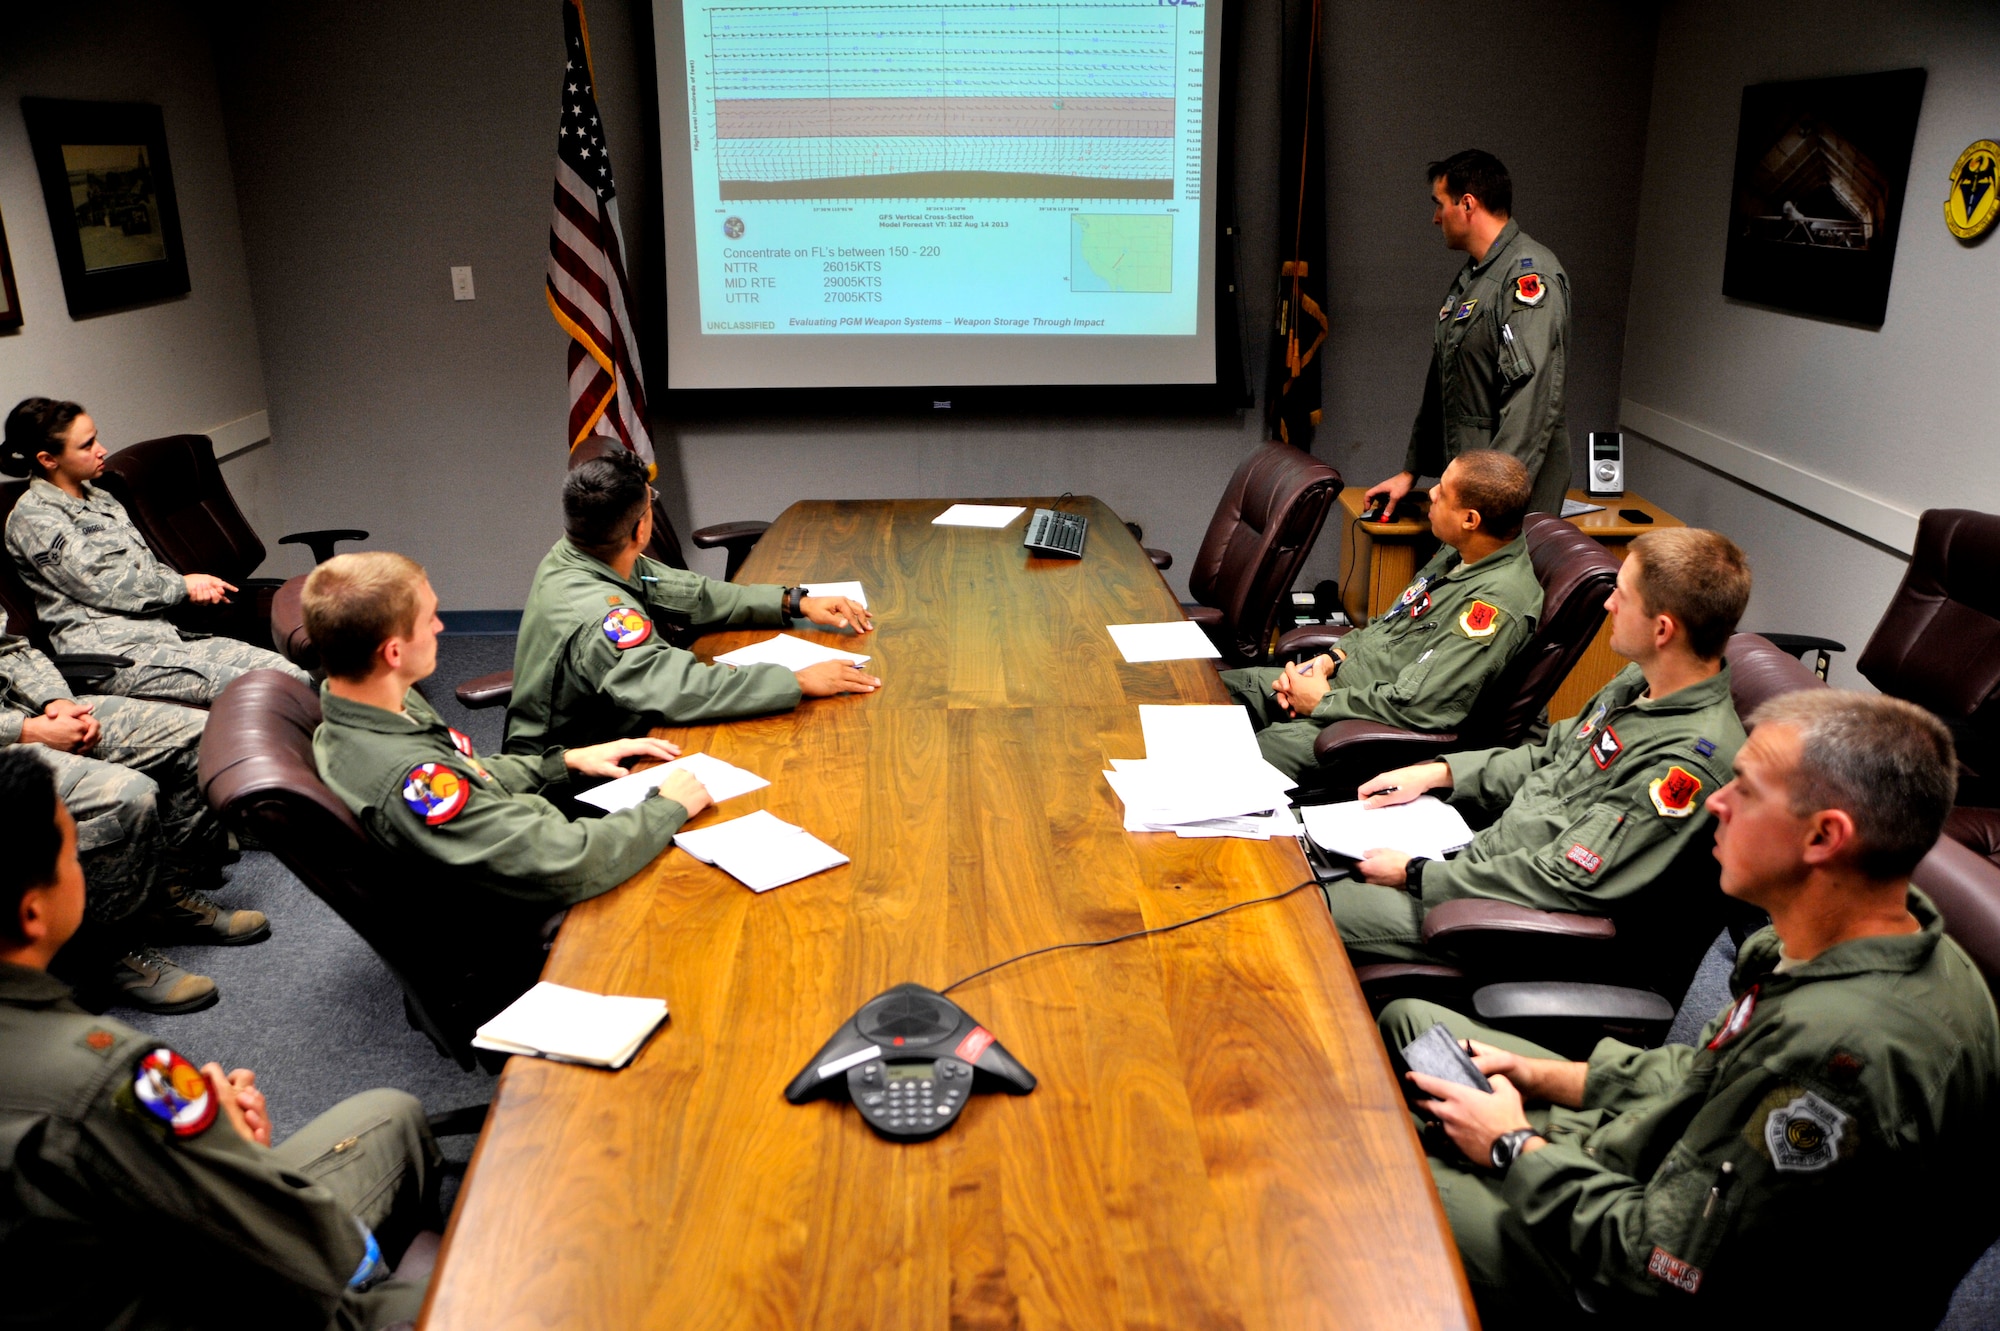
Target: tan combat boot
point(145, 979)
point(195, 917)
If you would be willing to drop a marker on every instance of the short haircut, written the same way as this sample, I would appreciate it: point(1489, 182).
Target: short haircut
point(1479, 174)
point(28, 829)
point(356, 602)
point(35, 425)
point(1699, 577)
point(1887, 764)
point(603, 500)
point(1497, 487)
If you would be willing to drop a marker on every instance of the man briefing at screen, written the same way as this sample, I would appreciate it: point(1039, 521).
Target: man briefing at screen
point(1500, 348)
point(594, 656)
point(1422, 663)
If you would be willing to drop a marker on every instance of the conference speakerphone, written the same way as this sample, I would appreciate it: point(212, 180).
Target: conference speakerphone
point(1051, 533)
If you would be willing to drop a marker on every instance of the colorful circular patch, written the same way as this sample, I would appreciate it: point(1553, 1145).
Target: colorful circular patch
point(461, 742)
point(626, 627)
point(172, 1090)
point(1974, 200)
point(1529, 288)
point(435, 793)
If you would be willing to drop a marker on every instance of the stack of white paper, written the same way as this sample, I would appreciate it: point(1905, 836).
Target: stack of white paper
point(785, 650)
point(725, 781)
point(1426, 826)
point(1202, 777)
point(1175, 640)
point(572, 1026)
point(760, 850)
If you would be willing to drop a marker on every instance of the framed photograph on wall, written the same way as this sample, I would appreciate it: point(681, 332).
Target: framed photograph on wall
point(109, 188)
point(10, 299)
point(1821, 170)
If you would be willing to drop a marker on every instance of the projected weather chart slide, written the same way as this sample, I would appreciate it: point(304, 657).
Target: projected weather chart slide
point(985, 169)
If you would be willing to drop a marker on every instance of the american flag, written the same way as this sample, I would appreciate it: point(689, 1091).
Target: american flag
point(588, 291)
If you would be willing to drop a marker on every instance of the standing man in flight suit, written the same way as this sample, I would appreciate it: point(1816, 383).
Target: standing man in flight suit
point(595, 655)
point(1500, 351)
point(1422, 662)
point(1594, 814)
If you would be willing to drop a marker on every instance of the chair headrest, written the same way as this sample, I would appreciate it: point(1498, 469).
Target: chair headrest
point(259, 741)
point(1565, 559)
point(1965, 886)
point(1760, 670)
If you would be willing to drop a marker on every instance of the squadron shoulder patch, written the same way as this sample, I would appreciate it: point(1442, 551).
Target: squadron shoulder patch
point(1804, 1136)
point(169, 1088)
point(435, 793)
point(460, 741)
point(1529, 289)
point(626, 627)
point(1480, 620)
point(1673, 794)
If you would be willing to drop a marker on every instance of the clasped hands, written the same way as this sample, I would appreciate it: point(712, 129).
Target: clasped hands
point(65, 725)
point(241, 1102)
point(1300, 688)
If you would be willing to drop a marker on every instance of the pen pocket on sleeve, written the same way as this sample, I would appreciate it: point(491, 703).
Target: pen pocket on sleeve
point(1516, 366)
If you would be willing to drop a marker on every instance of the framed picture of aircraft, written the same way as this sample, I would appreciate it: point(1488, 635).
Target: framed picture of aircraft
point(109, 189)
point(1821, 170)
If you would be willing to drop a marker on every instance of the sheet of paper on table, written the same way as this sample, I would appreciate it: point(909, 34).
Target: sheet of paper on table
point(1198, 733)
point(725, 781)
point(1426, 826)
point(1175, 640)
point(1202, 776)
point(760, 850)
point(978, 515)
point(851, 590)
point(1576, 508)
point(790, 652)
point(573, 1026)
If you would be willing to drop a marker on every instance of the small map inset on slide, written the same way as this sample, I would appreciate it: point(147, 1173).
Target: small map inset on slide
point(1121, 252)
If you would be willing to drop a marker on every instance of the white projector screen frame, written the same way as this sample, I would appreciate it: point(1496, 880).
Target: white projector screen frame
point(874, 265)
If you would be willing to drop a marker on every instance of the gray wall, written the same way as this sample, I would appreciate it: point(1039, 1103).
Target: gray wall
point(1812, 443)
point(190, 364)
point(1558, 90)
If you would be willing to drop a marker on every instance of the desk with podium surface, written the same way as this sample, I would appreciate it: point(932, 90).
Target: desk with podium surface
point(1216, 1139)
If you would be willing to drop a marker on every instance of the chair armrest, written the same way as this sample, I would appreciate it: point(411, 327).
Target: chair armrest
point(1450, 921)
point(322, 540)
point(262, 584)
point(1537, 1000)
point(80, 670)
point(1162, 559)
point(1310, 639)
point(734, 537)
point(1205, 615)
point(494, 690)
point(1346, 736)
point(1802, 642)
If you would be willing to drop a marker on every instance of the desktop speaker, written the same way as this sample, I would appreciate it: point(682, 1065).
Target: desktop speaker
point(1605, 476)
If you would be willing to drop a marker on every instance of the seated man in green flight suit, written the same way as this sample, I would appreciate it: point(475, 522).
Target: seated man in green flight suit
point(418, 787)
point(594, 656)
point(1422, 662)
point(1593, 815)
point(127, 1167)
point(1822, 1156)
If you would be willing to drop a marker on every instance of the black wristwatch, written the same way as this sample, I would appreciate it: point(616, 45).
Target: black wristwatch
point(1413, 875)
point(795, 601)
point(1507, 1147)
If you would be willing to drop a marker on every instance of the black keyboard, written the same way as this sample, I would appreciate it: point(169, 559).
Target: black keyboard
point(1053, 533)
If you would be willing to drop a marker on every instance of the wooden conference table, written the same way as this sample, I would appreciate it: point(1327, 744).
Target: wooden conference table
point(1216, 1140)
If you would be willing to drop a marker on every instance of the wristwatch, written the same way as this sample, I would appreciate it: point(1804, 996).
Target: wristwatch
point(795, 601)
point(1413, 875)
point(1507, 1147)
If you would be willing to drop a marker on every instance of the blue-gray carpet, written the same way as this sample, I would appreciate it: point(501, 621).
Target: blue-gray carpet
point(319, 1017)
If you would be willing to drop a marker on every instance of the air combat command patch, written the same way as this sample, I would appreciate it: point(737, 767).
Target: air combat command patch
point(1529, 289)
point(1974, 199)
point(1673, 794)
point(626, 627)
point(434, 793)
point(1480, 620)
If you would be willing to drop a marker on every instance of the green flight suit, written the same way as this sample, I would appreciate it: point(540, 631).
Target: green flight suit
point(418, 789)
point(1500, 367)
point(1821, 1157)
point(1584, 821)
point(1420, 664)
point(583, 674)
point(115, 1214)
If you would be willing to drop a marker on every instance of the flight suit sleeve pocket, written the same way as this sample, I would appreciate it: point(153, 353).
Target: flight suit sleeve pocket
point(1588, 844)
point(1687, 1215)
point(1516, 365)
point(1409, 684)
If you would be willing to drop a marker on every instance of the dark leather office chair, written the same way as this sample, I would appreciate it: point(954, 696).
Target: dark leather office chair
point(175, 493)
point(1577, 575)
point(1566, 980)
point(460, 954)
point(1270, 515)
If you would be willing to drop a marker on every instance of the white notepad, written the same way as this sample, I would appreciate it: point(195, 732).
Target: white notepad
point(1176, 640)
point(573, 1026)
point(790, 652)
point(1426, 826)
point(761, 850)
point(851, 590)
point(725, 781)
point(978, 515)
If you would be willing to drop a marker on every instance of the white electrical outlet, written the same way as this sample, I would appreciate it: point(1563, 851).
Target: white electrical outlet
point(461, 283)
